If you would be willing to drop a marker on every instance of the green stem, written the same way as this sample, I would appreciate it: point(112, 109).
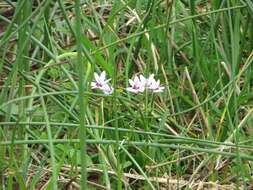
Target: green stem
point(81, 89)
point(50, 141)
point(131, 143)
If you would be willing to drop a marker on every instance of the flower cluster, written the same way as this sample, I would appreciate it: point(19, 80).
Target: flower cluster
point(137, 85)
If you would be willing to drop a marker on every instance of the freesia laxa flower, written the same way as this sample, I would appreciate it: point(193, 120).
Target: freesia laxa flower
point(101, 83)
point(107, 89)
point(155, 86)
point(137, 85)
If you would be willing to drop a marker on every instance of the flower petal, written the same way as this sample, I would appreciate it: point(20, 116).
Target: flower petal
point(107, 89)
point(131, 82)
point(93, 85)
point(150, 80)
point(106, 81)
point(136, 80)
point(160, 89)
point(141, 89)
point(97, 78)
point(102, 76)
point(152, 86)
point(143, 80)
point(132, 90)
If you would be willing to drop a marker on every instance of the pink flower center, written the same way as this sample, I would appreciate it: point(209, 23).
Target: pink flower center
point(136, 87)
point(98, 84)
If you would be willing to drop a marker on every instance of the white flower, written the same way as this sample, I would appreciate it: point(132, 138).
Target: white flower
point(137, 85)
point(99, 81)
point(155, 86)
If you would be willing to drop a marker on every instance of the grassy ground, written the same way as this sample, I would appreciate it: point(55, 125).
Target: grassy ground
point(58, 133)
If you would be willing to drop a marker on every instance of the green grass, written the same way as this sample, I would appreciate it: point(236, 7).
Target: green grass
point(58, 133)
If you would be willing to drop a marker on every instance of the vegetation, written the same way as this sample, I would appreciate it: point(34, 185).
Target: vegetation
point(57, 131)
